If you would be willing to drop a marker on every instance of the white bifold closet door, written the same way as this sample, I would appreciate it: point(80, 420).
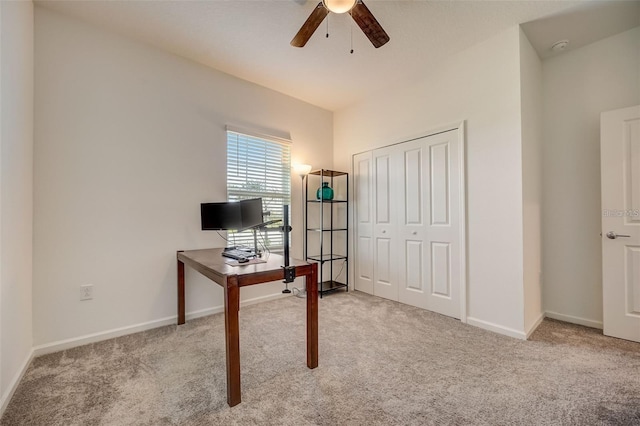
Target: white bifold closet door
point(385, 238)
point(408, 222)
point(363, 219)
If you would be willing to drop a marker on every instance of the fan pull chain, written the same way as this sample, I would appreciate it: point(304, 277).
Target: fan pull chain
point(351, 39)
point(328, 25)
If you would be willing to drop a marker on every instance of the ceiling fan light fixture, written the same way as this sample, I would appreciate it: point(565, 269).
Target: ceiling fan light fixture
point(339, 6)
point(358, 11)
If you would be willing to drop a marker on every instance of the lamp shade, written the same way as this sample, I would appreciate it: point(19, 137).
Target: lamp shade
point(339, 6)
point(302, 169)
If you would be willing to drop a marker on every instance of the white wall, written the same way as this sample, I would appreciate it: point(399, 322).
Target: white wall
point(129, 140)
point(531, 94)
point(578, 85)
point(482, 86)
point(16, 187)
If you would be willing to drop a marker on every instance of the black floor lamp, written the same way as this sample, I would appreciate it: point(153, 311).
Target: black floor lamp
point(303, 170)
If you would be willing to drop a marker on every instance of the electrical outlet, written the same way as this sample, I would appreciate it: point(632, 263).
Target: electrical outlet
point(86, 292)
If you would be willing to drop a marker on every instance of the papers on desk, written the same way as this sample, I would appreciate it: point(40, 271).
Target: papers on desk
point(232, 262)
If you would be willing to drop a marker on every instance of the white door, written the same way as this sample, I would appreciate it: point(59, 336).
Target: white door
point(412, 188)
point(620, 170)
point(385, 283)
point(363, 219)
point(409, 222)
point(429, 227)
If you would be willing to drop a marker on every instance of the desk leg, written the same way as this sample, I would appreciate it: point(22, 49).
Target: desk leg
point(311, 281)
point(232, 336)
point(180, 292)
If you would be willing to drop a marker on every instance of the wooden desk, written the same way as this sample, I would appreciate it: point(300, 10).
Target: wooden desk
point(211, 264)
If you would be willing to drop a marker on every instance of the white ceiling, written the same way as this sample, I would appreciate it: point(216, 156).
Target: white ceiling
point(250, 39)
point(589, 22)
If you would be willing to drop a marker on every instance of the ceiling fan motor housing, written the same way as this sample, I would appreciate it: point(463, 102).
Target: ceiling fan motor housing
point(339, 6)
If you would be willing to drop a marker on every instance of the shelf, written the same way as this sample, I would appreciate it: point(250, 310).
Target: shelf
point(327, 257)
point(319, 226)
point(326, 201)
point(330, 286)
point(327, 173)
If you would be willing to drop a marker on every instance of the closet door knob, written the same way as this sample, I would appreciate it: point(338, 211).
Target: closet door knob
point(415, 232)
point(612, 235)
point(384, 231)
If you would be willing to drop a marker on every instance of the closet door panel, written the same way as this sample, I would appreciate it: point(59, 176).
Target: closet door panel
point(384, 285)
point(414, 266)
point(440, 266)
point(363, 217)
point(439, 183)
point(385, 165)
point(364, 265)
point(443, 227)
point(412, 186)
point(382, 189)
point(413, 208)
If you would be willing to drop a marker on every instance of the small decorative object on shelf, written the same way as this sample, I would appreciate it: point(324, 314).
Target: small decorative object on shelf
point(325, 193)
point(326, 228)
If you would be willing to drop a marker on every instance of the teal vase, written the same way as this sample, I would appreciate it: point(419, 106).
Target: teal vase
point(325, 193)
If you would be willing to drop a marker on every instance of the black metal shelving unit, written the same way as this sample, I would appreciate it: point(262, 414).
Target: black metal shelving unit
point(328, 229)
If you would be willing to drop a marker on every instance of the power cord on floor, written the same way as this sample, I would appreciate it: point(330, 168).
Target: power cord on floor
point(299, 293)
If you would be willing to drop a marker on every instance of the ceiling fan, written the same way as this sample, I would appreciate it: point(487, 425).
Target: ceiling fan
point(358, 11)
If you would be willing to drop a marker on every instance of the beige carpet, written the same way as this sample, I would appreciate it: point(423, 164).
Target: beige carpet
point(381, 363)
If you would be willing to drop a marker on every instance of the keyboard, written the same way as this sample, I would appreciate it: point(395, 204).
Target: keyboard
point(238, 254)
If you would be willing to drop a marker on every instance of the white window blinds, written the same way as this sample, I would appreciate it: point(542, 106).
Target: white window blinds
point(259, 168)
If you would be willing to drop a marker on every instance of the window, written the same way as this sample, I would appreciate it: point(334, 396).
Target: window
point(259, 167)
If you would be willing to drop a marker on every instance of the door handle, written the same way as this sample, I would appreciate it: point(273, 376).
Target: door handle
point(612, 235)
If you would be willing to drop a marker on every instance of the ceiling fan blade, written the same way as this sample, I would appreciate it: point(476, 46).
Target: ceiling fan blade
point(310, 25)
point(368, 24)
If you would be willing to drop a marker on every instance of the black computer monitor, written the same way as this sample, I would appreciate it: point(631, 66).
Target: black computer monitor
point(251, 213)
point(220, 216)
point(236, 215)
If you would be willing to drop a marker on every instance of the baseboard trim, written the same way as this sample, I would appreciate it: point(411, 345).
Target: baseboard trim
point(4, 402)
point(536, 324)
point(575, 320)
point(136, 328)
point(496, 328)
